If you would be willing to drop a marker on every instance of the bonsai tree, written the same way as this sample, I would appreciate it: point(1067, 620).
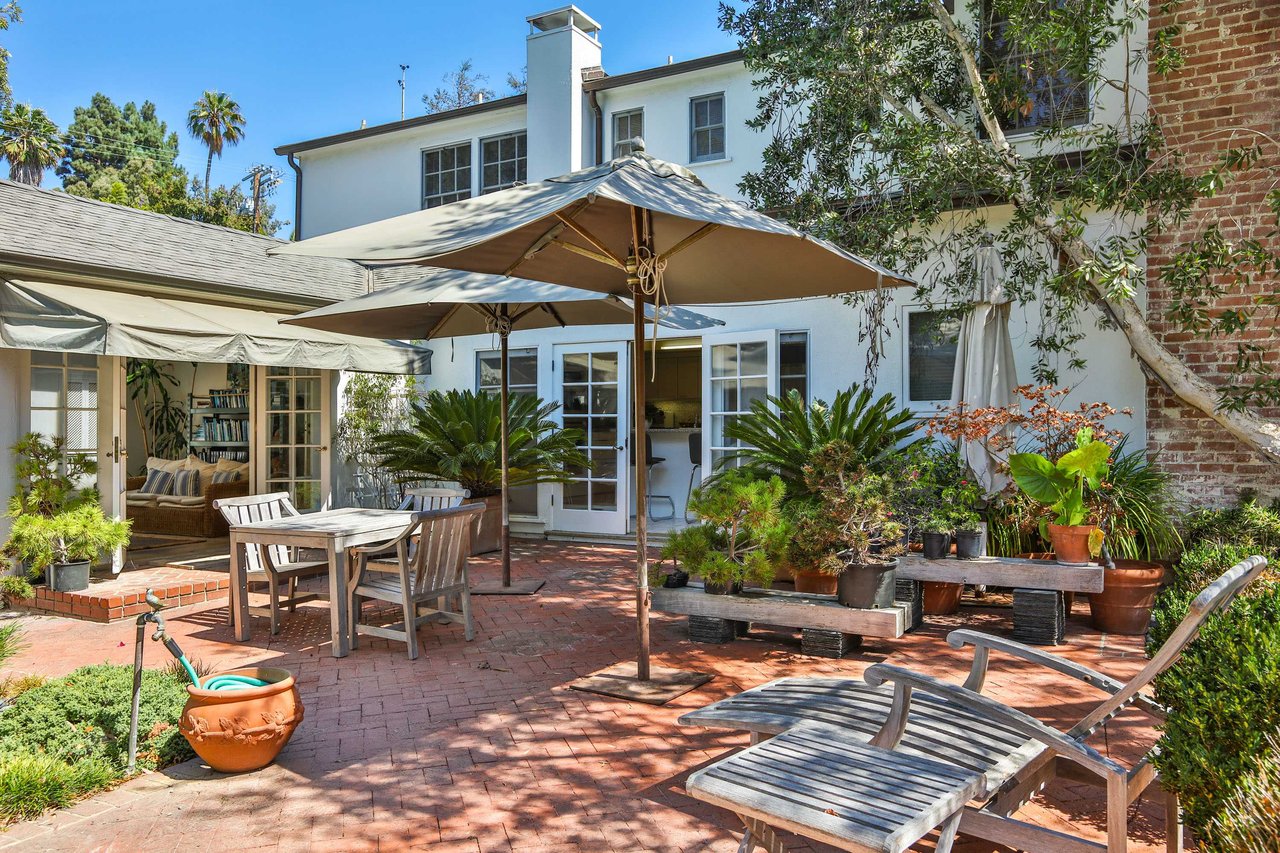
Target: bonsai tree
point(741, 535)
point(455, 435)
point(50, 480)
point(961, 501)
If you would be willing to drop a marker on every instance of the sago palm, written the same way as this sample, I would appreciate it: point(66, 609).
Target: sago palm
point(455, 435)
point(30, 141)
point(781, 437)
point(215, 119)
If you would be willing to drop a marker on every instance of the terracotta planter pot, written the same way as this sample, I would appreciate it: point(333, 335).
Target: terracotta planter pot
point(1071, 543)
point(867, 587)
point(239, 730)
point(1128, 594)
point(941, 598)
point(815, 583)
point(486, 536)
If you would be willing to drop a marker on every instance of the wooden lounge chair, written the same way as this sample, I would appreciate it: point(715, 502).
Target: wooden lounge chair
point(1012, 754)
point(272, 564)
point(432, 571)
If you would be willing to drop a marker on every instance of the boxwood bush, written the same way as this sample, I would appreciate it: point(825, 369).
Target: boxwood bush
point(1223, 695)
point(70, 736)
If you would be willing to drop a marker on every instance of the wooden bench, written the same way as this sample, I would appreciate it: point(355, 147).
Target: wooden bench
point(828, 628)
point(1039, 606)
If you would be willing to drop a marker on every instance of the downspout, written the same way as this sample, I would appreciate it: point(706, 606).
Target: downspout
point(595, 108)
point(297, 198)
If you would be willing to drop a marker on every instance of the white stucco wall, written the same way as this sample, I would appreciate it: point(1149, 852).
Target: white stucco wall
point(12, 366)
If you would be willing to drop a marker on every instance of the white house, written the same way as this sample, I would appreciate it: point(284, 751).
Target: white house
point(693, 113)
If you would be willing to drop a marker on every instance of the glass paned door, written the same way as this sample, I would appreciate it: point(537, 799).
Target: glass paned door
point(738, 370)
point(64, 401)
point(295, 453)
point(592, 391)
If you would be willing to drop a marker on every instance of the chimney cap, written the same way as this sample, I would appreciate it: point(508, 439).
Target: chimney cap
point(564, 16)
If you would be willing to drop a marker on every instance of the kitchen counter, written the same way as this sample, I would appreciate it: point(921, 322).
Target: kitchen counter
point(671, 477)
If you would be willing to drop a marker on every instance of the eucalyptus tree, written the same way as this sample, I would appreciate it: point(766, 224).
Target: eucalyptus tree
point(30, 141)
point(215, 119)
point(914, 133)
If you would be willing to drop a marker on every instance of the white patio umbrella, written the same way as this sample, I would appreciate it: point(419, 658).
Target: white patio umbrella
point(635, 226)
point(450, 303)
point(985, 374)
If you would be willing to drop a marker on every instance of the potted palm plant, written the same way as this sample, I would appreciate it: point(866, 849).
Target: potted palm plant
point(1061, 485)
point(454, 436)
point(740, 537)
point(58, 528)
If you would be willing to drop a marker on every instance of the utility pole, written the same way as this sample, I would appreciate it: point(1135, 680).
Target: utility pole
point(403, 77)
point(263, 180)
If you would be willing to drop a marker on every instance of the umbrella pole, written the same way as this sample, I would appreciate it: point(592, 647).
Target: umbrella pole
point(506, 498)
point(642, 473)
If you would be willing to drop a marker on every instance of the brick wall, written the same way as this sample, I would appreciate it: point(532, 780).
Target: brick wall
point(1231, 81)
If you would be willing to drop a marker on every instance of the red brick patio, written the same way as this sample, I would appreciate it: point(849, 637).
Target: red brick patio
point(483, 747)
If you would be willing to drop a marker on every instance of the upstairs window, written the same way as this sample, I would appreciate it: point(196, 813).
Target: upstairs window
point(446, 174)
point(1039, 89)
point(931, 341)
point(627, 126)
point(503, 162)
point(706, 128)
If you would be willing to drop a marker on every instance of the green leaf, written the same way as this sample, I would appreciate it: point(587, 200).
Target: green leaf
point(1071, 509)
point(1089, 461)
point(1038, 477)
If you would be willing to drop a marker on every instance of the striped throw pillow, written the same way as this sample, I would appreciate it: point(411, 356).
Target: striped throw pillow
point(186, 484)
point(158, 482)
point(225, 476)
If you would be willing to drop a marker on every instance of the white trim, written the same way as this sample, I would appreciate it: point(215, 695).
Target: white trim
point(925, 408)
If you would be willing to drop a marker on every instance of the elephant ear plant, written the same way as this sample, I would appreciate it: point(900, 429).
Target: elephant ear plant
point(741, 535)
point(1062, 487)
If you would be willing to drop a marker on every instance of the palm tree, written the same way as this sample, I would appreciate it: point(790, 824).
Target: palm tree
point(30, 142)
point(215, 119)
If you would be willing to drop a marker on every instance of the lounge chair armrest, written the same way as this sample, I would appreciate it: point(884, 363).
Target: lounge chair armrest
point(984, 643)
point(998, 712)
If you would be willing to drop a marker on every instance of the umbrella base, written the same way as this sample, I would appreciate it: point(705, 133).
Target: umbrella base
point(619, 681)
point(518, 587)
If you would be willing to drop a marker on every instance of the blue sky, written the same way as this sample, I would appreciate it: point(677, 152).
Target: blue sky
point(306, 69)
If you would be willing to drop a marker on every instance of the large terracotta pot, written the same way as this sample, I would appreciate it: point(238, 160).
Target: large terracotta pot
point(941, 598)
point(1071, 543)
point(1128, 594)
point(486, 536)
point(815, 583)
point(239, 730)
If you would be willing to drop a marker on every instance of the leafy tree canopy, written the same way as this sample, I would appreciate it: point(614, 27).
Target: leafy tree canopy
point(103, 138)
point(893, 129)
point(10, 13)
point(30, 141)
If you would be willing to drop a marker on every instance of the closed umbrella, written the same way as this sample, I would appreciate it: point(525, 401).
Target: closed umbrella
point(450, 303)
point(635, 226)
point(985, 375)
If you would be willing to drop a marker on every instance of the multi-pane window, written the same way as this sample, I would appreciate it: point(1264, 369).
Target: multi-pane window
point(626, 127)
point(739, 378)
point(706, 128)
point(1037, 87)
point(522, 376)
point(503, 161)
point(295, 435)
point(446, 174)
point(64, 400)
point(793, 364)
point(931, 356)
point(522, 379)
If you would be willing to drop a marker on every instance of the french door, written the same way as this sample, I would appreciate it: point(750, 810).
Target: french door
point(738, 369)
point(297, 413)
point(591, 387)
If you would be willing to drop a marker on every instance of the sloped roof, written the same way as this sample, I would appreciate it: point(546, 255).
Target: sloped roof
point(54, 230)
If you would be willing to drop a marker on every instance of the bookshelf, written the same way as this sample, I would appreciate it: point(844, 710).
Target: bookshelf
point(218, 425)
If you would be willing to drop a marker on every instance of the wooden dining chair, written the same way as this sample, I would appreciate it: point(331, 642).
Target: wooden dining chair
point(435, 497)
point(275, 565)
point(427, 578)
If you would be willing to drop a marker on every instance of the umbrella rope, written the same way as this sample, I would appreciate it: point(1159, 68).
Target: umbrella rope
point(499, 325)
point(650, 270)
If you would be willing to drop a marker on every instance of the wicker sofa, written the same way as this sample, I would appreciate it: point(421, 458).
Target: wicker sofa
point(172, 520)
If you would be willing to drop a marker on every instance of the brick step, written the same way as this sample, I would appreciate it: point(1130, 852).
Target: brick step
point(112, 599)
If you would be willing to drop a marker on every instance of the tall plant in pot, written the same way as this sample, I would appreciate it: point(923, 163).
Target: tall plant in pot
point(454, 436)
point(740, 537)
point(58, 528)
point(1061, 486)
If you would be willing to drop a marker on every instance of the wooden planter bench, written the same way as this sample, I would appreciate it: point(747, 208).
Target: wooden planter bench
point(828, 628)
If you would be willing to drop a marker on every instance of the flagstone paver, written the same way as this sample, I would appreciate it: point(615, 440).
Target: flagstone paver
point(482, 746)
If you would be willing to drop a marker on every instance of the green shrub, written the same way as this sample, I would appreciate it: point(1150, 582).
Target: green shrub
point(1249, 524)
point(1250, 818)
point(11, 641)
point(30, 783)
point(13, 588)
point(12, 686)
point(1223, 695)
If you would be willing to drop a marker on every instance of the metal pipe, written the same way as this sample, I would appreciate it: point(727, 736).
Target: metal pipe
point(599, 140)
point(505, 332)
point(297, 198)
point(143, 618)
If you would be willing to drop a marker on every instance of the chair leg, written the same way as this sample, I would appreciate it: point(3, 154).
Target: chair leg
point(1117, 813)
point(759, 834)
point(1172, 823)
point(293, 595)
point(353, 618)
point(411, 627)
point(273, 588)
point(468, 627)
point(689, 493)
point(947, 835)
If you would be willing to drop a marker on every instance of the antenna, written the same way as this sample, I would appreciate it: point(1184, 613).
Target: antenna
point(403, 76)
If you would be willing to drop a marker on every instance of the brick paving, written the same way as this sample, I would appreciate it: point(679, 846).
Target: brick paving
point(483, 747)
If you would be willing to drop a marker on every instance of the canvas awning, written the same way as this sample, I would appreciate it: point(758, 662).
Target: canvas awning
point(70, 318)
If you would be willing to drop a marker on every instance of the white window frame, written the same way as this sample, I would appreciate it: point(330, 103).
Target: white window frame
point(808, 361)
point(512, 354)
point(694, 128)
point(515, 134)
point(457, 194)
point(619, 141)
point(769, 337)
point(62, 408)
point(927, 407)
